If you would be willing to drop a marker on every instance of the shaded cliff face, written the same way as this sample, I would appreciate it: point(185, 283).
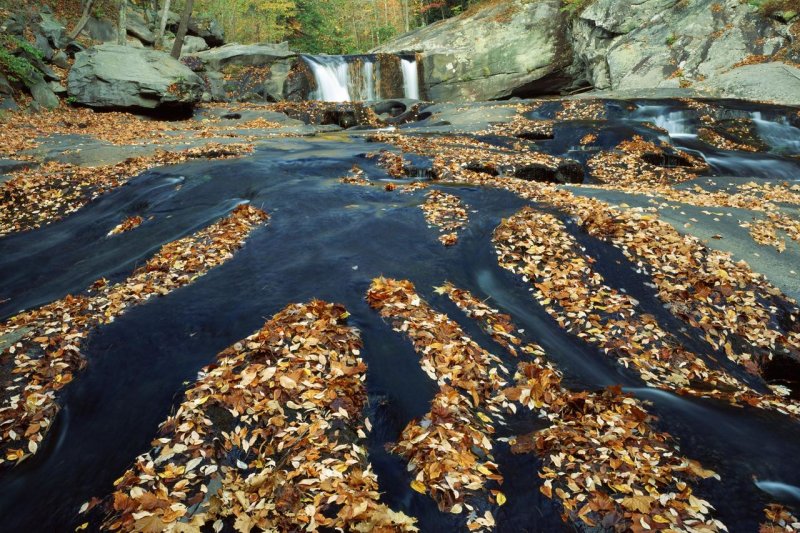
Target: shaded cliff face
point(529, 47)
point(518, 48)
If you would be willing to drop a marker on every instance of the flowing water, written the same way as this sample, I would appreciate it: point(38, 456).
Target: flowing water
point(329, 240)
point(358, 77)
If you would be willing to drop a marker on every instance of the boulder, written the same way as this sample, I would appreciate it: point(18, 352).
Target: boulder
point(6, 94)
point(60, 59)
point(102, 30)
point(244, 55)
point(52, 30)
point(513, 48)
point(112, 76)
point(775, 82)
point(646, 44)
point(207, 29)
point(43, 45)
point(138, 27)
point(274, 84)
point(191, 44)
point(44, 96)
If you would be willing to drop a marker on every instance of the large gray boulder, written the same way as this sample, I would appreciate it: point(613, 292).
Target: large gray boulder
point(514, 48)
point(191, 44)
point(244, 55)
point(138, 27)
point(774, 81)
point(113, 76)
point(645, 44)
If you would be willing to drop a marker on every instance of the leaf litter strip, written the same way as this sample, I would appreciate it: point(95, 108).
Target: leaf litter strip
point(41, 349)
point(271, 436)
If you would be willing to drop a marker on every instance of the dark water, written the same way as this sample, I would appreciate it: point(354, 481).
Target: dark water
point(326, 240)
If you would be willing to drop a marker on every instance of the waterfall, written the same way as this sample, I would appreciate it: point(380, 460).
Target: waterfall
point(332, 75)
point(358, 77)
point(676, 123)
point(410, 78)
point(778, 134)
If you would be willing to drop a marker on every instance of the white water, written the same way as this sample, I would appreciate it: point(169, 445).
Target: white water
point(410, 78)
point(779, 135)
point(779, 490)
point(332, 76)
point(369, 81)
point(676, 123)
point(339, 80)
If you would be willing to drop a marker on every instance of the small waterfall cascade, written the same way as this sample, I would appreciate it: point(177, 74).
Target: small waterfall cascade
point(363, 77)
point(410, 78)
point(675, 122)
point(777, 133)
point(332, 76)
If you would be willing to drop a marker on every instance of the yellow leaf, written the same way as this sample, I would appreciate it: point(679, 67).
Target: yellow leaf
point(418, 486)
point(501, 498)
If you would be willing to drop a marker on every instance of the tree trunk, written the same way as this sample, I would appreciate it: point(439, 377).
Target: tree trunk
point(87, 8)
point(187, 13)
point(122, 26)
point(162, 26)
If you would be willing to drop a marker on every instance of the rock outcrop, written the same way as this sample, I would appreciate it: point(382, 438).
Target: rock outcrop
point(113, 76)
point(529, 48)
point(515, 48)
point(635, 44)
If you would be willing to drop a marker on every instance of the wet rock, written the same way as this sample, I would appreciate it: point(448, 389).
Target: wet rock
point(299, 82)
point(113, 76)
point(6, 94)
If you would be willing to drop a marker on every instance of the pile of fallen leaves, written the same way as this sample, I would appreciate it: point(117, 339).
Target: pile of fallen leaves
point(779, 520)
point(43, 195)
point(446, 212)
point(394, 163)
point(734, 307)
point(522, 128)
point(42, 348)
point(601, 456)
point(356, 176)
point(449, 450)
point(737, 310)
point(271, 436)
point(126, 225)
point(537, 246)
point(642, 164)
point(582, 110)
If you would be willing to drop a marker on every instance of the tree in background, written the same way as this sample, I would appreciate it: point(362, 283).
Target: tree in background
point(162, 24)
point(182, 28)
point(122, 26)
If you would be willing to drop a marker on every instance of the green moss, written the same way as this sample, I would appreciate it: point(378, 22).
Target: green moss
point(14, 67)
point(575, 7)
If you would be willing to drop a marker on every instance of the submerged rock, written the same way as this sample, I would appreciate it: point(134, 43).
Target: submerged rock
point(113, 76)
